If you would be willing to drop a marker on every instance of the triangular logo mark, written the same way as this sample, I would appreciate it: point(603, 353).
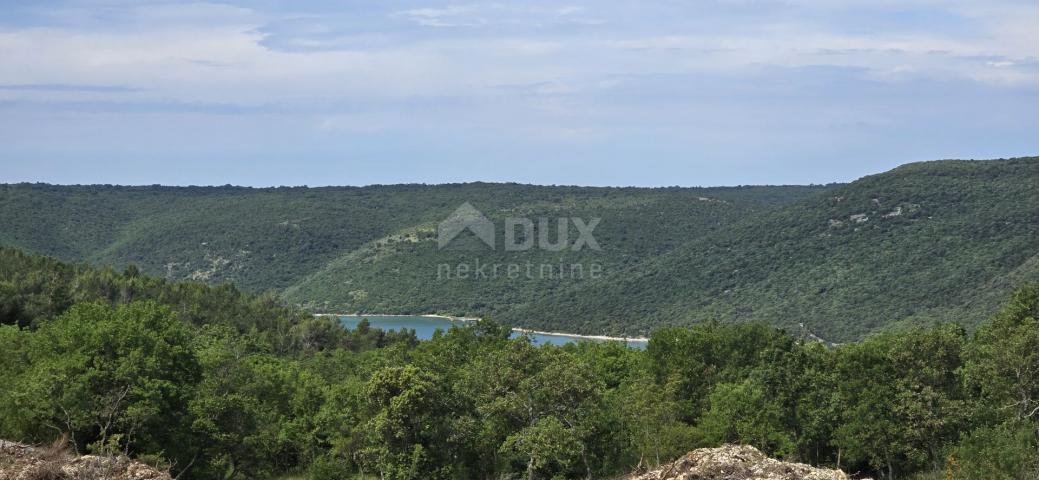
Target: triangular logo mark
point(466, 216)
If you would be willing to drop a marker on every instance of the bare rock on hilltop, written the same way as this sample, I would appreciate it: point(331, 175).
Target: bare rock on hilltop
point(736, 462)
point(24, 462)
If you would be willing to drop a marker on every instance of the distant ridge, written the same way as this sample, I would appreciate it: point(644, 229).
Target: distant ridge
point(942, 240)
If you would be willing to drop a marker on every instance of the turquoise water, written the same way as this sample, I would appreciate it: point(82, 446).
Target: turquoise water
point(425, 326)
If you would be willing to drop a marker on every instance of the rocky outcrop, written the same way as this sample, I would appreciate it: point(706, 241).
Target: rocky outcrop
point(736, 462)
point(24, 462)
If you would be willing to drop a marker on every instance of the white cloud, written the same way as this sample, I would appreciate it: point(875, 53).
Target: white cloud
point(583, 73)
point(452, 16)
point(175, 56)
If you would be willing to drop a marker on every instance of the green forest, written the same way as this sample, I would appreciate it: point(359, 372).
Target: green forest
point(925, 242)
point(212, 383)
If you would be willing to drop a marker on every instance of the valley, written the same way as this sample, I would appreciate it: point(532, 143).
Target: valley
point(943, 240)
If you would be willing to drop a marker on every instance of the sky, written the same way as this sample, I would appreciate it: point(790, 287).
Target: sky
point(604, 92)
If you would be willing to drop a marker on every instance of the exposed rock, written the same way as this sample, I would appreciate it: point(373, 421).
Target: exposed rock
point(23, 462)
point(736, 462)
point(903, 209)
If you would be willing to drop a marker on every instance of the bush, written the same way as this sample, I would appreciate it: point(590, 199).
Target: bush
point(1004, 452)
point(330, 467)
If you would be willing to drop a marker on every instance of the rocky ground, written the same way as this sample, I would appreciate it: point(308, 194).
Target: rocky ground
point(24, 462)
point(736, 462)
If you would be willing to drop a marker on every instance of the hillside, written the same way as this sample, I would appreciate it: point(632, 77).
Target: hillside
point(355, 249)
point(403, 272)
point(207, 383)
point(942, 240)
point(928, 241)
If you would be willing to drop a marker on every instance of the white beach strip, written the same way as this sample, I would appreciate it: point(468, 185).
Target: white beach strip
point(426, 315)
point(574, 335)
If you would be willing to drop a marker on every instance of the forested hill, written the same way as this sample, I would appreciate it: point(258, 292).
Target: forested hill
point(275, 238)
point(209, 383)
point(944, 240)
point(936, 240)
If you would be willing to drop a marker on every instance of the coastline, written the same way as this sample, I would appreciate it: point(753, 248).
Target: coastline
point(575, 335)
point(427, 315)
point(514, 329)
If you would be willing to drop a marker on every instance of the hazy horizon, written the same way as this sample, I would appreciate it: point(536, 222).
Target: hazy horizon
point(433, 184)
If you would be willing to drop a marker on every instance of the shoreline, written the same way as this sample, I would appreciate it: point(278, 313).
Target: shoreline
point(577, 335)
point(426, 315)
point(524, 331)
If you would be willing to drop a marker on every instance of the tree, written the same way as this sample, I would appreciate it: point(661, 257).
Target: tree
point(13, 361)
point(519, 388)
point(253, 413)
point(1002, 452)
point(869, 433)
point(803, 383)
point(1001, 368)
point(699, 357)
point(545, 442)
point(1003, 360)
point(111, 378)
point(744, 413)
point(929, 400)
point(650, 415)
point(406, 424)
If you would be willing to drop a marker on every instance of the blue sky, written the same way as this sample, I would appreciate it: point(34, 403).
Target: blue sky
point(319, 92)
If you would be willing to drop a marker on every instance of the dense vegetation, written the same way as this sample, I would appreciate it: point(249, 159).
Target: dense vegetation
point(219, 384)
point(929, 241)
point(945, 240)
point(347, 249)
point(271, 238)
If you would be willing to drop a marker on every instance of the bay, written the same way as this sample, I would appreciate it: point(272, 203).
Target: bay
point(425, 326)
